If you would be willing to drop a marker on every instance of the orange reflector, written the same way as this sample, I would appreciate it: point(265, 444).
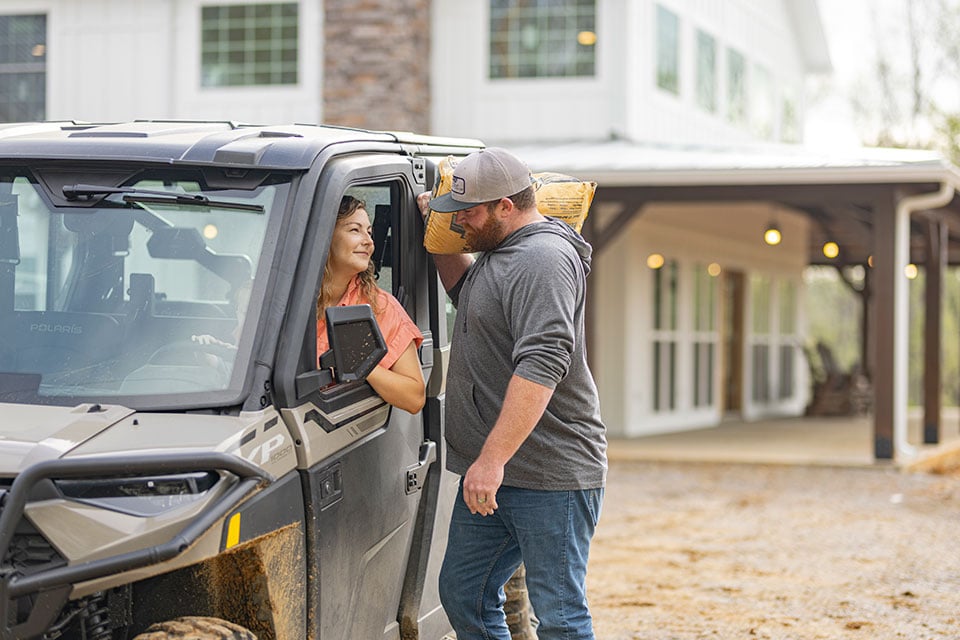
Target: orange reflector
point(233, 531)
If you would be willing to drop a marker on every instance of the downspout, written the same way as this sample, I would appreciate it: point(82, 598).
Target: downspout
point(901, 305)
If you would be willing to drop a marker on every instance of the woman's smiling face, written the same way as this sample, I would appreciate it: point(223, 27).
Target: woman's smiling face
point(352, 244)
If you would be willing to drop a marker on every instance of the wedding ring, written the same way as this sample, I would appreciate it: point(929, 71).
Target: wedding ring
point(481, 499)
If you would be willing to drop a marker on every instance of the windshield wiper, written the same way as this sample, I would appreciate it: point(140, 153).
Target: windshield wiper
point(132, 195)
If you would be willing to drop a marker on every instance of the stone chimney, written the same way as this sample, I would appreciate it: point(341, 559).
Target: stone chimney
point(377, 64)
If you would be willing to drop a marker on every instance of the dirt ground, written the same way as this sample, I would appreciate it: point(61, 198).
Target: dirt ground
point(688, 551)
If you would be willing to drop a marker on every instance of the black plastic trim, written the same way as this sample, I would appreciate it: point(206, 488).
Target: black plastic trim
point(250, 478)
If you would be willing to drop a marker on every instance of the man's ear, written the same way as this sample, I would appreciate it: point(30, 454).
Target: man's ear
point(506, 206)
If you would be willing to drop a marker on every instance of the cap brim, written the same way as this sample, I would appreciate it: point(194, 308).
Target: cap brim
point(446, 204)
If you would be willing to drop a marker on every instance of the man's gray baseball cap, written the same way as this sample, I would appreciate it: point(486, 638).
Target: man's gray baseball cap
point(483, 176)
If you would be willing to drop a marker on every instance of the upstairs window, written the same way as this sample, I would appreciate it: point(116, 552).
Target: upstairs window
point(249, 45)
point(542, 38)
point(736, 87)
point(668, 51)
point(762, 102)
point(706, 72)
point(23, 68)
point(789, 119)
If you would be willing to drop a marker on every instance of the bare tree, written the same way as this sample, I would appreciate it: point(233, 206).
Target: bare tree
point(908, 96)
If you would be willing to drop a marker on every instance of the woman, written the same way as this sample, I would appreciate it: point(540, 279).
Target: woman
point(348, 279)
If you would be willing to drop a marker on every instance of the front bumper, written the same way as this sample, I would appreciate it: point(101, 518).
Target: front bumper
point(46, 590)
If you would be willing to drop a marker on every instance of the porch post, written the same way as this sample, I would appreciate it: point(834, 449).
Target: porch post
point(866, 323)
point(883, 312)
point(936, 258)
point(590, 313)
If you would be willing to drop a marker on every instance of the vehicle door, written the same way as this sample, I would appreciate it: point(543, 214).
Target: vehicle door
point(363, 463)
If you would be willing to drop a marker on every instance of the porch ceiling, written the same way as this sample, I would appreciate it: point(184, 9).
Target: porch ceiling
point(838, 191)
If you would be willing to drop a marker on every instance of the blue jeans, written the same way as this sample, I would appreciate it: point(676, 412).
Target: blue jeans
point(550, 532)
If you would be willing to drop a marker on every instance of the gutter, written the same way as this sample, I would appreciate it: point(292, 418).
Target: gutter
point(901, 349)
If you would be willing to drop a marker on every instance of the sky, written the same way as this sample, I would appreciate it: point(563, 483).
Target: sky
point(861, 32)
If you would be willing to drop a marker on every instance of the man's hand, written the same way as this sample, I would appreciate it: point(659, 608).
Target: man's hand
point(480, 486)
point(423, 201)
point(450, 267)
point(523, 406)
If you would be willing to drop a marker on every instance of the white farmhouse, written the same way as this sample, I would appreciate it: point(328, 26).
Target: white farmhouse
point(686, 112)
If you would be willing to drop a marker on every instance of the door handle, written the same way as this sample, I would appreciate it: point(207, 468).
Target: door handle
point(417, 474)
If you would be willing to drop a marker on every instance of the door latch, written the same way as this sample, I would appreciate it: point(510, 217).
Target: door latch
point(417, 474)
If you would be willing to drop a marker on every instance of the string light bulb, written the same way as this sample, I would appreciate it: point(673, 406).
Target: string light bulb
point(772, 235)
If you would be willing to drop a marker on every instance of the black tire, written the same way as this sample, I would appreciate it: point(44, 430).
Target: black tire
point(196, 628)
point(517, 607)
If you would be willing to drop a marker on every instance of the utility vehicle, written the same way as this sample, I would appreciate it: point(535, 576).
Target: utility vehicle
point(172, 456)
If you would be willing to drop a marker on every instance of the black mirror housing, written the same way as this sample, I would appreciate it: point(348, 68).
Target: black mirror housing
point(355, 340)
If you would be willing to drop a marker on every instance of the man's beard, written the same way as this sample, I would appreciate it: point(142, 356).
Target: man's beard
point(487, 237)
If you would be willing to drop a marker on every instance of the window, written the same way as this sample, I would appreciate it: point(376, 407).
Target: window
point(788, 338)
point(788, 308)
point(760, 301)
point(789, 120)
point(23, 68)
point(761, 373)
point(736, 87)
point(542, 38)
point(705, 335)
point(251, 44)
point(108, 297)
point(762, 102)
point(379, 204)
point(706, 72)
point(668, 51)
point(665, 336)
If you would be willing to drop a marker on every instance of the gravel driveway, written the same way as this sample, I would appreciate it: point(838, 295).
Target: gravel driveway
point(699, 550)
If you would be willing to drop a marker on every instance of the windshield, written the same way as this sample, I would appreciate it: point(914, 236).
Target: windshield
point(136, 295)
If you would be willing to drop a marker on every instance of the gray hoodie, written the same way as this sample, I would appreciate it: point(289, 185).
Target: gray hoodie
point(520, 310)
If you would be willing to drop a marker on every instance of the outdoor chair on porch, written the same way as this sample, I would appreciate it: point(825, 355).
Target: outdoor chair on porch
point(836, 392)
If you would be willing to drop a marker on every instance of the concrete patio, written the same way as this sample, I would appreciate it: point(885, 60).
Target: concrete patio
point(840, 441)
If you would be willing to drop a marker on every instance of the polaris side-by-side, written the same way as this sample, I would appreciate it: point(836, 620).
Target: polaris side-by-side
point(171, 456)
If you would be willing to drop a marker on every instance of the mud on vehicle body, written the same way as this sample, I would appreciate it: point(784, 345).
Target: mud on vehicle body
point(171, 456)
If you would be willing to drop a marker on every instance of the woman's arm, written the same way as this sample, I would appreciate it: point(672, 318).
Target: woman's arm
point(402, 384)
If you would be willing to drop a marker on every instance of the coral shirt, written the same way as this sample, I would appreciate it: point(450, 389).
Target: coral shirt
point(396, 326)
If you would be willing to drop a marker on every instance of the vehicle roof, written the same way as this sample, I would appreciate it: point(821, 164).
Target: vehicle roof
point(286, 146)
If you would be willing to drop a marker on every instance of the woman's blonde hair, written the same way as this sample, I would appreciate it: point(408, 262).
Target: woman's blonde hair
point(368, 282)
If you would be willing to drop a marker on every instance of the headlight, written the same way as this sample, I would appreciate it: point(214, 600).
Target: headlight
point(140, 495)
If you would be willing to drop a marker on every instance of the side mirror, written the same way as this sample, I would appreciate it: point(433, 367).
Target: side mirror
point(356, 346)
point(355, 341)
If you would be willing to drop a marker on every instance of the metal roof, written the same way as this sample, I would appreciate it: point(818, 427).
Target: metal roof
point(836, 189)
point(626, 163)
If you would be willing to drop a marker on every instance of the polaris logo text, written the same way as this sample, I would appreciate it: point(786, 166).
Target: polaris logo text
point(43, 327)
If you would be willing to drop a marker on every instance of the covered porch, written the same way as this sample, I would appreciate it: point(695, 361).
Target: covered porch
point(831, 441)
point(884, 209)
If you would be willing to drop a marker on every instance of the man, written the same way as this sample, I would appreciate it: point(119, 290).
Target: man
point(523, 418)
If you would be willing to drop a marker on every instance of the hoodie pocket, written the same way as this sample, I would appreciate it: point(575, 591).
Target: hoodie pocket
point(466, 429)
